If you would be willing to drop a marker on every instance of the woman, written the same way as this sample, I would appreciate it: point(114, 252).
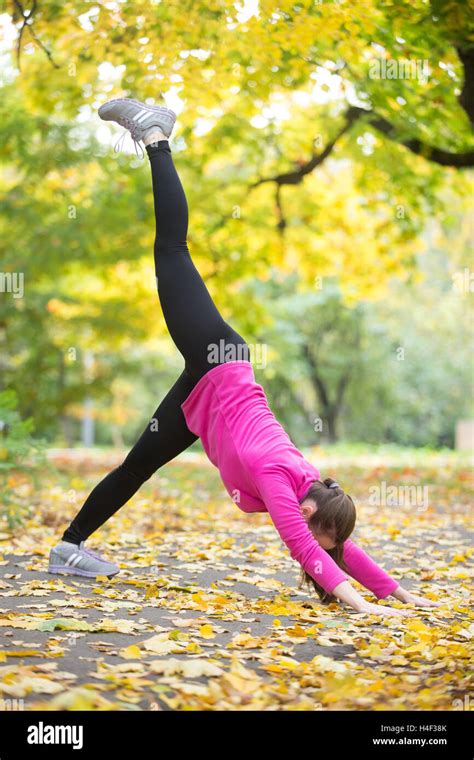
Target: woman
point(219, 401)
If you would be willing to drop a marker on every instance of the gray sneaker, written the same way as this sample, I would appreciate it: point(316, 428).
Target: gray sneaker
point(70, 559)
point(139, 118)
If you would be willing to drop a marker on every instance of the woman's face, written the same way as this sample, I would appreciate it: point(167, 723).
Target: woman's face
point(325, 540)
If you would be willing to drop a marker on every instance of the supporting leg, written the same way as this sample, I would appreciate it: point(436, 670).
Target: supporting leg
point(166, 436)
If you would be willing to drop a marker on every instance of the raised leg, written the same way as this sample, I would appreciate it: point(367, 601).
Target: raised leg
point(191, 316)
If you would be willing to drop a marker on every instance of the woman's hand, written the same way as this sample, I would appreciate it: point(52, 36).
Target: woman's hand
point(408, 598)
point(346, 593)
point(379, 609)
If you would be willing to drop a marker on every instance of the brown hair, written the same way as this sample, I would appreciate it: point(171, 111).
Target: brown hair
point(335, 514)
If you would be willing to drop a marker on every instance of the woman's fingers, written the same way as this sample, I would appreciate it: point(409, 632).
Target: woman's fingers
point(420, 601)
point(376, 609)
point(397, 613)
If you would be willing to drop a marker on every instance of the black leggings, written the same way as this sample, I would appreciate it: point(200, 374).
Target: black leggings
point(194, 324)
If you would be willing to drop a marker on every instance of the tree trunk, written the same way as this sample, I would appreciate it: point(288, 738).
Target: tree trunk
point(331, 420)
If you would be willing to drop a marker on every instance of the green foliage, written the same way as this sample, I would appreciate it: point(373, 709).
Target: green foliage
point(262, 95)
point(407, 362)
point(21, 456)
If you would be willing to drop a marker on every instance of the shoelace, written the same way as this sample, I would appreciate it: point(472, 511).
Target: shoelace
point(90, 552)
point(132, 127)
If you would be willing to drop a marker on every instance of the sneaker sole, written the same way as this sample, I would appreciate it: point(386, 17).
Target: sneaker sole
point(150, 109)
point(65, 570)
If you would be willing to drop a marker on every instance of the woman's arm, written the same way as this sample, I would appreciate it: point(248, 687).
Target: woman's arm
point(419, 601)
point(346, 593)
point(285, 511)
point(367, 572)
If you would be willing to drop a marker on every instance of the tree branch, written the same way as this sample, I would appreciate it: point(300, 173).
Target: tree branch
point(436, 155)
point(281, 216)
point(296, 176)
point(26, 18)
point(353, 113)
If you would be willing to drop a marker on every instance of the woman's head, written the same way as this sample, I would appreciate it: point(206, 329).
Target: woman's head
point(331, 515)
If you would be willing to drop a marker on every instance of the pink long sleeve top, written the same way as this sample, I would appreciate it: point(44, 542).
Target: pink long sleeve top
point(263, 471)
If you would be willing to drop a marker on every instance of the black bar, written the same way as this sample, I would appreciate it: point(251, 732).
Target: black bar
point(136, 734)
